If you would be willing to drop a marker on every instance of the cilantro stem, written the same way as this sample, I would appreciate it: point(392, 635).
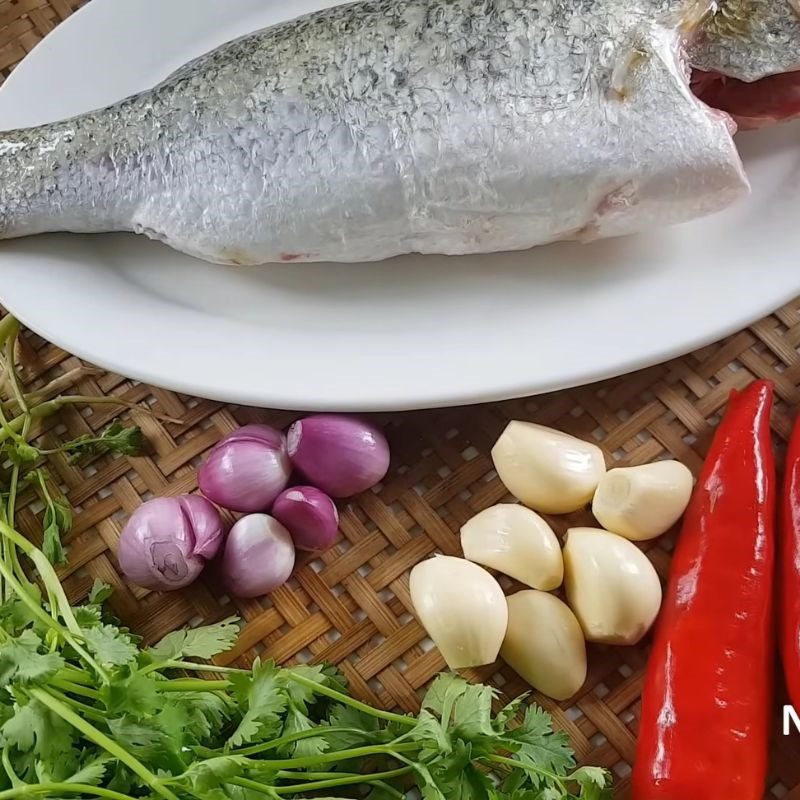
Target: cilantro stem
point(75, 675)
point(13, 375)
point(192, 666)
point(192, 685)
point(339, 755)
point(50, 407)
point(47, 573)
point(35, 607)
point(49, 621)
point(86, 710)
point(255, 786)
point(68, 686)
point(510, 762)
point(59, 384)
point(290, 738)
point(54, 589)
point(99, 400)
point(101, 740)
point(8, 327)
point(7, 429)
point(315, 776)
point(57, 788)
point(318, 688)
point(9, 769)
point(344, 781)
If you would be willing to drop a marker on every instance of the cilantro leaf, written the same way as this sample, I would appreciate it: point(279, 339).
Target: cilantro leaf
point(594, 783)
point(430, 732)
point(428, 787)
point(303, 696)
point(464, 707)
point(52, 533)
point(205, 642)
point(116, 438)
point(92, 773)
point(264, 699)
point(361, 728)
point(15, 616)
point(88, 616)
point(207, 716)
point(22, 663)
point(20, 453)
point(298, 722)
point(57, 521)
point(110, 645)
point(157, 740)
point(472, 712)
point(457, 776)
point(537, 745)
point(132, 694)
point(443, 691)
point(205, 776)
point(509, 713)
point(469, 783)
point(34, 728)
point(99, 593)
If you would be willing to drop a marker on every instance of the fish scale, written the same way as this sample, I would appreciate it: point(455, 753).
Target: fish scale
point(380, 128)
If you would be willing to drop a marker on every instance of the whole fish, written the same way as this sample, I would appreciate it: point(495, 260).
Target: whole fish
point(379, 128)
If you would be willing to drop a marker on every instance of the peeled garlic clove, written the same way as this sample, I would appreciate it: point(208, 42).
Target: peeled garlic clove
point(611, 586)
point(515, 541)
point(549, 471)
point(544, 644)
point(463, 609)
point(643, 502)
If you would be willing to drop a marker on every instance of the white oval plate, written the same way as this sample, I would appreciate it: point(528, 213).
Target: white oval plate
point(413, 332)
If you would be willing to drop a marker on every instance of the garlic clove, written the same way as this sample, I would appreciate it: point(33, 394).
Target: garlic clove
point(544, 644)
point(515, 541)
point(463, 609)
point(549, 471)
point(643, 502)
point(611, 586)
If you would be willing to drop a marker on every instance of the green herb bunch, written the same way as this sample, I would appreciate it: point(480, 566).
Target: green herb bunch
point(85, 711)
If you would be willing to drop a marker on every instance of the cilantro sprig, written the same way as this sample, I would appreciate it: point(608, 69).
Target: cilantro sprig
point(87, 712)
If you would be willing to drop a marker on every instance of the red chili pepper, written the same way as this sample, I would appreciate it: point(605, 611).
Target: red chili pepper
point(790, 569)
point(706, 708)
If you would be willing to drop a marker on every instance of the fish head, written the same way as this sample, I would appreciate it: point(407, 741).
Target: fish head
point(748, 39)
point(746, 59)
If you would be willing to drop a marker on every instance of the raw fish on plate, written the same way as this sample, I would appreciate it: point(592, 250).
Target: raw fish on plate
point(375, 129)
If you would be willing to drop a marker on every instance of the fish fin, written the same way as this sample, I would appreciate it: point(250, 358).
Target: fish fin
point(623, 72)
point(696, 14)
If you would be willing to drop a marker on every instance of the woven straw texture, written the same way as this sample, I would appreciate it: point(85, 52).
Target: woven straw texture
point(351, 605)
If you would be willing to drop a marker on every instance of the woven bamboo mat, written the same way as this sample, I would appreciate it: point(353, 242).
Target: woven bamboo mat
point(351, 605)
